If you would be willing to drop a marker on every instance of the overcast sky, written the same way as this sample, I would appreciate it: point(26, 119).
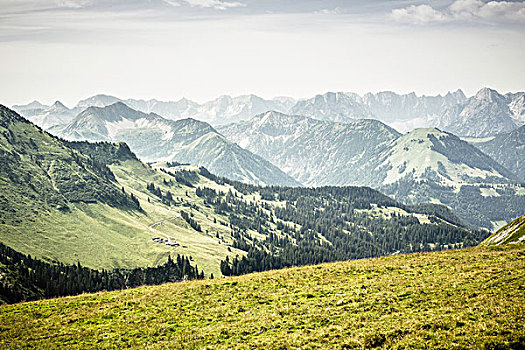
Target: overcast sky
point(200, 49)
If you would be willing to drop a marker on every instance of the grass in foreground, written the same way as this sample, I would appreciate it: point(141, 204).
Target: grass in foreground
point(472, 298)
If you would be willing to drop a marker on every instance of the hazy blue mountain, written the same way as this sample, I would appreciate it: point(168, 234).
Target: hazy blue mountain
point(154, 138)
point(312, 151)
point(46, 116)
point(332, 106)
point(96, 101)
point(406, 112)
point(507, 149)
point(224, 109)
point(485, 114)
point(35, 105)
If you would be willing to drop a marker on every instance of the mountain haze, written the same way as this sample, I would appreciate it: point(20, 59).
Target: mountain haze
point(484, 114)
point(424, 165)
point(314, 152)
point(154, 138)
point(507, 148)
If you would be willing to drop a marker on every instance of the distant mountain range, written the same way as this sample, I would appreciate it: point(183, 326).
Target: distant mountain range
point(424, 165)
point(484, 114)
point(331, 139)
point(314, 152)
point(154, 138)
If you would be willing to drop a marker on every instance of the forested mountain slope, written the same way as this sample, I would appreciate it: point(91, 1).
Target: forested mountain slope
point(424, 165)
point(107, 215)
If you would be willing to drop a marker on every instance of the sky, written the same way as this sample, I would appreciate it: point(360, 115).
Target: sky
point(68, 50)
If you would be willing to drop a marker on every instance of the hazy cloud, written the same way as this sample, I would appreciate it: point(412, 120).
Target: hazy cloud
point(463, 10)
point(73, 3)
point(172, 3)
point(216, 4)
point(418, 15)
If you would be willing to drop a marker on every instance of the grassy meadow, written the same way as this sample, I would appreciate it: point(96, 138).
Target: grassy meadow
point(461, 299)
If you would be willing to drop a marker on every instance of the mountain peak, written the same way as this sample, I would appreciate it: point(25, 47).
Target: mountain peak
point(58, 105)
point(459, 94)
point(487, 94)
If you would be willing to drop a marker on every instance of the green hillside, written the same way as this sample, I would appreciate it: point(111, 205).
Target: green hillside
point(70, 202)
point(463, 299)
point(513, 232)
point(105, 208)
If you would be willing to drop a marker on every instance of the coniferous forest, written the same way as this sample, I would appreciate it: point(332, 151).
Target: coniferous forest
point(25, 278)
point(317, 225)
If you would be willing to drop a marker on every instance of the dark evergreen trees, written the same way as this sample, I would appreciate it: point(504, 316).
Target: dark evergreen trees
point(25, 278)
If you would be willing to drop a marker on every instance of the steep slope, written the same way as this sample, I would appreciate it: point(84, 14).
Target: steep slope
point(431, 165)
point(425, 165)
point(42, 169)
point(78, 202)
point(485, 114)
point(336, 107)
point(46, 116)
point(312, 151)
point(507, 149)
point(469, 299)
point(513, 232)
point(154, 138)
point(227, 159)
point(517, 106)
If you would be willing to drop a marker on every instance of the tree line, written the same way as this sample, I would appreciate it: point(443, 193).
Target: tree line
point(316, 225)
point(25, 278)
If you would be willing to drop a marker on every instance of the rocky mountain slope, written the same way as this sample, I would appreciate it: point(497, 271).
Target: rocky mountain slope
point(485, 114)
point(314, 152)
point(508, 149)
point(154, 138)
point(425, 165)
point(336, 107)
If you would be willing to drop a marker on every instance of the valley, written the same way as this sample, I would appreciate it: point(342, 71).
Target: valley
point(109, 220)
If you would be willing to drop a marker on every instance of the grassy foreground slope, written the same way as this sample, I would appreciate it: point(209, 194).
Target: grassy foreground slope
point(513, 232)
point(463, 299)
